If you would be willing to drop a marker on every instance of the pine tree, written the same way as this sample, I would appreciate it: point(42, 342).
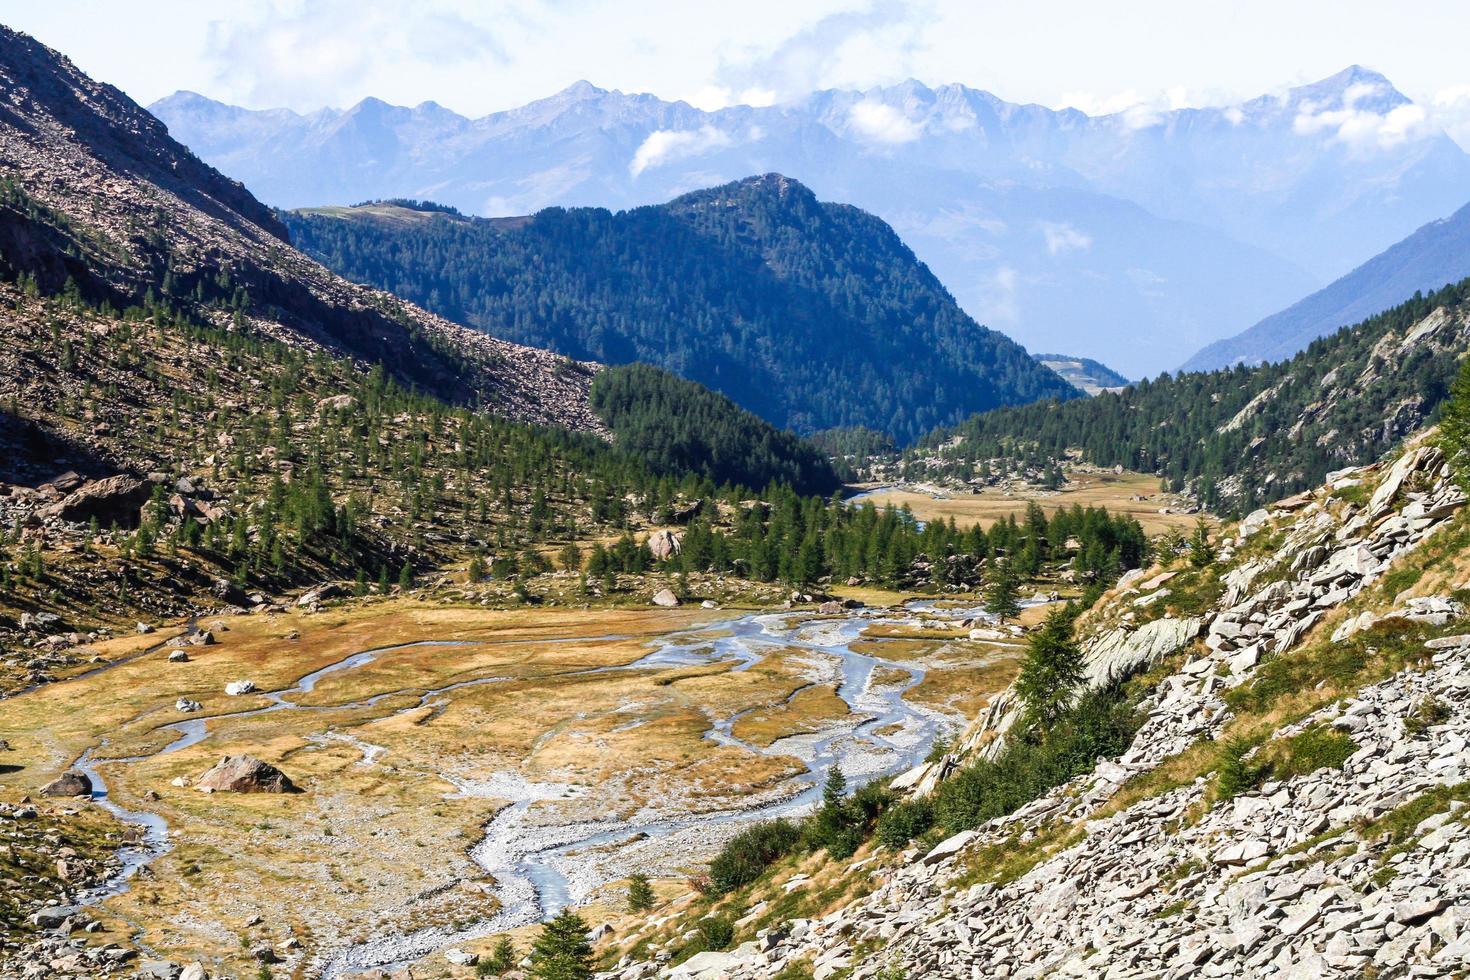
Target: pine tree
point(1001, 596)
point(502, 957)
point(1454, 426)
point(834, 790)
point(1201, 551)
point(640, 893)
point(1051, 672)
point(562, 951)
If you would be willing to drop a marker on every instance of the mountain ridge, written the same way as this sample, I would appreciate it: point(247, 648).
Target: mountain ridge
point(1436, 254)
point(1036, 219)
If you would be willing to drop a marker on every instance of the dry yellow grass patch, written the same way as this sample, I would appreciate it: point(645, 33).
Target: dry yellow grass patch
point(811, 709)
point(1115, 492)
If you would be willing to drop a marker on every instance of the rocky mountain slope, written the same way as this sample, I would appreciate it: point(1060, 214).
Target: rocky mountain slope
point(1436, 254)
point(1083, 373)
point(810, 314)
point(1067, 231)
point(1243, 436)
point(1292, 805)
point(97, 194)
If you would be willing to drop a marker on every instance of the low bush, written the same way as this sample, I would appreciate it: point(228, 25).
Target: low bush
point(750, 852)
point(904, 822)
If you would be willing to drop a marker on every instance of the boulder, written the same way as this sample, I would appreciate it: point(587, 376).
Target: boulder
point(187, 706)
point(178, 657)
point(237, 688)
point(244, 774)
point(115, 499)
point(950, 846)
point(665, 598)
point(70, 783)
point(194, 971)
point(665, 544)
point(460, 957)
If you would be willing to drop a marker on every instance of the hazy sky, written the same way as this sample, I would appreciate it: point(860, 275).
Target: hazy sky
point(476, 57)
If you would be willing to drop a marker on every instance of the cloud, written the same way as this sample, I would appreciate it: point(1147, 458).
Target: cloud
point(882, 123)
point(1000, 298)
point(667, 145)
point(1450, 111)
point(844, 49)
point(1363, 128)
point(1134, 110)
point(284, 52)
point(1062, 237)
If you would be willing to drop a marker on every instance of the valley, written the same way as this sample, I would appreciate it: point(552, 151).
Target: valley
point(477, 767)
point(696, 591)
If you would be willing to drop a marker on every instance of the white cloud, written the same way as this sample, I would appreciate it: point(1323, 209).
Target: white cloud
point(1062, 237)
point(1450, 111)
point(1363, 128)
point(666, 145)
point(882, 123)
point(1000, 299)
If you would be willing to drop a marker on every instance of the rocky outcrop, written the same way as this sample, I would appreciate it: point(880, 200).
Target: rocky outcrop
point(244, 774)
point(113, 500)
point(665, 544)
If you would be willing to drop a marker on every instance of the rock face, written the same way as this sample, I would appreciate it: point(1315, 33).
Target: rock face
point(70, 783)
point(244, 774)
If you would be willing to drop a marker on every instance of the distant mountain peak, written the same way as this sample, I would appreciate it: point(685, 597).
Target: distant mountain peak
point(1355, 85)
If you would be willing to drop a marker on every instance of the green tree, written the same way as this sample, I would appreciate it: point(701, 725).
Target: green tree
point(1001, 598)
point(640, 893)
point(1454, 426)
point(562, 951)
point(1051, 672)
point(502, 957)
point(1201, 549)
point(570, 557)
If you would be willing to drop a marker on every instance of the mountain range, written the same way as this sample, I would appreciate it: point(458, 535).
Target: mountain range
point(1434, 256)
point(812, 315)
point(1066, 231)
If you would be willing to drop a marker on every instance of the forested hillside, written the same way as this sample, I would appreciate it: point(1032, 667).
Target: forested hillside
point(679, 427)
point(1242, 436)
point(811, 315)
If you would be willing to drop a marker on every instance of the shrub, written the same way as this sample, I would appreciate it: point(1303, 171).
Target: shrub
point(904, 822)
point(1234, 775)
point(717, 932)
point(1101, 723)
point(751, 852)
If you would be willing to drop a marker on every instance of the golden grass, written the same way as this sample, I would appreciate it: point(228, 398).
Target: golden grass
point(1115, 492)
point(810, 709)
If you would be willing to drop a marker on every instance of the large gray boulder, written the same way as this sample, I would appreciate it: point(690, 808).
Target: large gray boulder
point(71, 783)
point(244, 774)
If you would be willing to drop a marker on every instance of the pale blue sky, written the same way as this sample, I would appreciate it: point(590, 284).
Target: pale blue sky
point(476, 57)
